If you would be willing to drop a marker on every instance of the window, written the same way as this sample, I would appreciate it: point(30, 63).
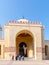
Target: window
point(0, 49)
point(46, 50)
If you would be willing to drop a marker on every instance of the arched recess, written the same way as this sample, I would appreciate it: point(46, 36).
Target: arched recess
point(26, 37)
point(46, 50)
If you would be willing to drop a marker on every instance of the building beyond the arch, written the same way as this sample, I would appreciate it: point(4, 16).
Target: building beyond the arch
point(23, 37)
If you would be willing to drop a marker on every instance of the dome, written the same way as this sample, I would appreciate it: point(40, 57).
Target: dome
point(23, 20)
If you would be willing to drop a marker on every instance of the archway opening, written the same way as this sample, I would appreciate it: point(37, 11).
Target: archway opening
point(25, 44)
point(23, 49)
point(46, 50)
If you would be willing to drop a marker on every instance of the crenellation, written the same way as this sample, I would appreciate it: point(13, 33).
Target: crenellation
point(22, 22)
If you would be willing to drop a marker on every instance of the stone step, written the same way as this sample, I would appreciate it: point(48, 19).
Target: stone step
point(11, 62)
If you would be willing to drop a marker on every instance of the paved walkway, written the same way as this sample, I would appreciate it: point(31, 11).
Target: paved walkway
point(7, 62)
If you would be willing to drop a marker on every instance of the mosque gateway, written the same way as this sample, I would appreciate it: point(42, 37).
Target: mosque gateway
point(23, 37)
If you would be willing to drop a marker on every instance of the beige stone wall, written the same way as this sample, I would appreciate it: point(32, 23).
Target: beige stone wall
point(35, 43)
point(2, 43)
point(6, 35)
point(12, 30)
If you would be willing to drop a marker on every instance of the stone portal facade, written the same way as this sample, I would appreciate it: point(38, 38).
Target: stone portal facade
point(23, 37)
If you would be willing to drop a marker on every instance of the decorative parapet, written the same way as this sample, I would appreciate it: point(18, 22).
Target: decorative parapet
point(24, 22)
point(21, 22)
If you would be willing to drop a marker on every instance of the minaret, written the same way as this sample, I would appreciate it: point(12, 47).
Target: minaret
point(0, 32)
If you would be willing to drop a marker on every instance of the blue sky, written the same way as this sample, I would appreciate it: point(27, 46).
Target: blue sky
point(33, 10)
